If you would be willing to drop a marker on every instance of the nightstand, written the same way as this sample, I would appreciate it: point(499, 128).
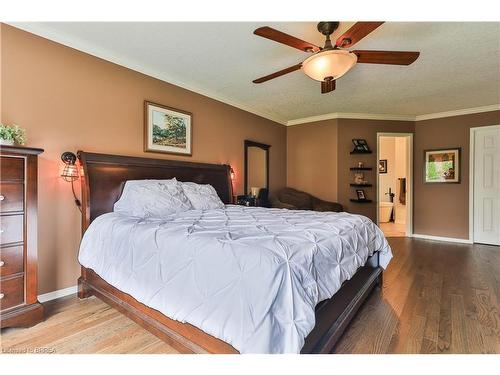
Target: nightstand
point(247, 200)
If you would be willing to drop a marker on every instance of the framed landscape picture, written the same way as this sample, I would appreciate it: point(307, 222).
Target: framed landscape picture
point(167, 130)
point(442, 166)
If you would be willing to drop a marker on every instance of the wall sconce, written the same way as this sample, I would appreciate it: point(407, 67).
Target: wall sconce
point(71, 173)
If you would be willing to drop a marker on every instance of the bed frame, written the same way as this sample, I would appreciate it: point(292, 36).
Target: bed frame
point(102, 183)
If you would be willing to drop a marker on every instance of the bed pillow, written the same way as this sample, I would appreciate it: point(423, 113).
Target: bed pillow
point(202, 197)
point(152, 198)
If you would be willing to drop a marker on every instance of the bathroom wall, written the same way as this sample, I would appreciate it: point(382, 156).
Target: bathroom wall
point(387, 180)
point(394, 150)
point(400, 171)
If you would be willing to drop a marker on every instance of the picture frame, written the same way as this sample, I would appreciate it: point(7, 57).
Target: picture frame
point(442, 166)
point(360, 145)
point(382, 166)
point(361, 194)
point(167, 130)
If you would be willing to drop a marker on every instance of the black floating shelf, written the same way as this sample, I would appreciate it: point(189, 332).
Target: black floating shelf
point(361, 185)
point(361, 200)
point(361, 168)
point(361, 152)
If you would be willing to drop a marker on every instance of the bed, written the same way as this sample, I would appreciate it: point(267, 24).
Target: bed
point(234, 279)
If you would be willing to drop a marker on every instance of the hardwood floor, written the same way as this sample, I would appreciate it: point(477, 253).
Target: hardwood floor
point(393, 229)
point(437, 298)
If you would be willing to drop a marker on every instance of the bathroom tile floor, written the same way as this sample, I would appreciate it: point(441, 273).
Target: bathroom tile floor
point(393, 229)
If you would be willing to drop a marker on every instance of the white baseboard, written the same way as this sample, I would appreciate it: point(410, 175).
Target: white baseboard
point(57, 294)
point(444, 239)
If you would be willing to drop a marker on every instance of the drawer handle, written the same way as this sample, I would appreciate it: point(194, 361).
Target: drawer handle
point(2, 197)
point(2, 263)
point(2, 295)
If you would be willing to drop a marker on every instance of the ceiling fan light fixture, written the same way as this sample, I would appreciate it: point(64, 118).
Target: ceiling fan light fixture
point(333, 63)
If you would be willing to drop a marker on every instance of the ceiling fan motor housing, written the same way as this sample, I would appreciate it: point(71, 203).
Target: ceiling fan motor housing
point(328, 27)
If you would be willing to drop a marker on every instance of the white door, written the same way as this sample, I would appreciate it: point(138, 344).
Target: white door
point(487, 186)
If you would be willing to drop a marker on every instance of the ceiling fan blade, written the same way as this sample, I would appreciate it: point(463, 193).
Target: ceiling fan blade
point(280, 37)
point(386, 57)
point(277, 74)
point(356, 33)
point(327, 86)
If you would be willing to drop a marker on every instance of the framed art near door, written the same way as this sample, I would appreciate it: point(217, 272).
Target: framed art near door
point(382, 166)
point(167, 130)
point(442, 166)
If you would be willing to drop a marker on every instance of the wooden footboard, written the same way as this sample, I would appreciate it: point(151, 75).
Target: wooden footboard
point(332, 316)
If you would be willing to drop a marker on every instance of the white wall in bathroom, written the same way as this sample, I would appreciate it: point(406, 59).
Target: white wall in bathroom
point(387, 151)
point(401, 163)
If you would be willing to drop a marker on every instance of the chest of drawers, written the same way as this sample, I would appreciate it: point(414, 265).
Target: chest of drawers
point(19, 305)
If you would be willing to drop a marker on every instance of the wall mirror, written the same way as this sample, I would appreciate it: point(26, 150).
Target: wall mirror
point(256, 168)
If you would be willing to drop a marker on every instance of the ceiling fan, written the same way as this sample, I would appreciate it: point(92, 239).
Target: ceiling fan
point(331, 62)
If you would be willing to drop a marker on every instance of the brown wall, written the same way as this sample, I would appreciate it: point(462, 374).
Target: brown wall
point(69, 100)
point(443, 209)
point(318, 158)
point(311, 166)
point(366, 129)
point(312, 158)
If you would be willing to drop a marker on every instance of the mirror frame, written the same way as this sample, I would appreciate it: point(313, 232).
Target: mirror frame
point(266, 148)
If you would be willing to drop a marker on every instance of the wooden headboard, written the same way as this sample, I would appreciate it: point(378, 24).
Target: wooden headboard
point(104, 177)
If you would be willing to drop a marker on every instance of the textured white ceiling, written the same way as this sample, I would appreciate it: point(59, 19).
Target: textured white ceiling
point(458, 67)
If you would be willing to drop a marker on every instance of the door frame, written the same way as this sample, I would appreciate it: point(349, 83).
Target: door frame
point(472, 139)
point(409, 167)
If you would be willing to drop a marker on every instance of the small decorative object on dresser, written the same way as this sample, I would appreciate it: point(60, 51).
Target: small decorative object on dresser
point(11, 135)
point(18, 244)
point(167, 130)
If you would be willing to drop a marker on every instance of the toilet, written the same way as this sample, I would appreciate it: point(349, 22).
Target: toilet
point(385, 209)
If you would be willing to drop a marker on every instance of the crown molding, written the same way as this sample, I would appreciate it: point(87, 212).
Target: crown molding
point(344, 115)
point(388, 117)
point(458, 112)
point(80, 45)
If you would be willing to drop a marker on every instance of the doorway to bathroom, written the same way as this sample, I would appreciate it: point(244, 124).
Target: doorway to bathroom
point(395, 183)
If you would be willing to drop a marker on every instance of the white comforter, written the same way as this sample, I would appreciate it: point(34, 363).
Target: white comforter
point(249, 276)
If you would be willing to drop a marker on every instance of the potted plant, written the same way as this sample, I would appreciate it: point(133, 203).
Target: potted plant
point(12, 134)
